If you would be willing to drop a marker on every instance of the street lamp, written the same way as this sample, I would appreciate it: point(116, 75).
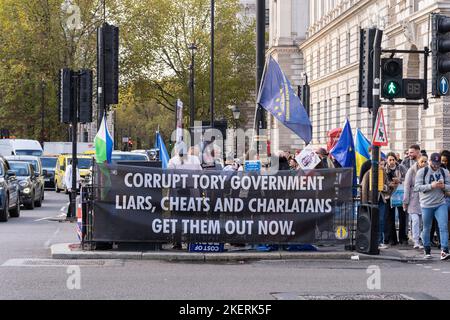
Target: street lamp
point(236, 114)
point(192, 92)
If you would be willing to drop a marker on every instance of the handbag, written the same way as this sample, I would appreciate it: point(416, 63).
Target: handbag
point(397, 197)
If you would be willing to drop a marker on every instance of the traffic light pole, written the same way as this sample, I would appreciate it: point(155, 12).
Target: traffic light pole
point(75, 107)
point(260, 62)
point(376, 105)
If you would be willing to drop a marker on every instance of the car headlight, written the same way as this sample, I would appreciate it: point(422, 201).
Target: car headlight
point(26, 190)
point(23, 183)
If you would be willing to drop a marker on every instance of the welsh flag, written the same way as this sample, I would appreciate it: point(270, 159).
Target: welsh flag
point(103, 144)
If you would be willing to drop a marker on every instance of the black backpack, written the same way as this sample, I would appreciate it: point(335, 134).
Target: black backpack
point(426, 172)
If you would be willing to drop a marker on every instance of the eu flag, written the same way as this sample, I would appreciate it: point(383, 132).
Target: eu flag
point(344, 150)
point(163, 154)
point(278, 97)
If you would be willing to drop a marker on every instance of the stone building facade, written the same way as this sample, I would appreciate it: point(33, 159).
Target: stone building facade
point(288, 25)
point(331, 59)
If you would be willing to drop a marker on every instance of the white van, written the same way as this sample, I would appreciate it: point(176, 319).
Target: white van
point(20, 147)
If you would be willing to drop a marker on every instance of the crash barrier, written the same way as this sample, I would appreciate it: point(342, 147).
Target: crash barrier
point(143, 204)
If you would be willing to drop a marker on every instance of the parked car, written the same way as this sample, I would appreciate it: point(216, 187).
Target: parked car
point(128, 156)
point(28, 184)
point(85, 163)
point(20, 147)
point(9, 192)
point(39, 171)
point(49, 164)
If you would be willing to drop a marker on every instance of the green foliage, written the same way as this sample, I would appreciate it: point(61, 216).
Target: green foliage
point(35, 44)
point(155, 35)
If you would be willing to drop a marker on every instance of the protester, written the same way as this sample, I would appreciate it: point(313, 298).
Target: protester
point(366, 166)
point(235, 166)
point(432, 182)
point(399, 158)
point(68, 182)
point(411, 203)
point(293, 164)
point(395, 174)
point(325, 161)
point(366, 197)
point(183, 161)
point(445, 161)
point(413, 156)
point(283, 161)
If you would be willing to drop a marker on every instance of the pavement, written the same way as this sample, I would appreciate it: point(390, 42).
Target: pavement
point(74, 251)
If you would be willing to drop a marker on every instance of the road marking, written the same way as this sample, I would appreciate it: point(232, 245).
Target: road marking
point(419, 264)
point(436, 269)
point(46, 218)
point(446, 272)
point(63, 209)
point(47, 243)
point(428, 267)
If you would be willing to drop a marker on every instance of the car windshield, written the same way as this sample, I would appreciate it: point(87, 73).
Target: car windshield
point(20, 168)
point(84, 163)
point(34, 163)
point(36, 153)
point(129, 157)
point(49, 163)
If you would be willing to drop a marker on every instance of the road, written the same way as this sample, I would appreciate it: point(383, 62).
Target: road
point(27, 272)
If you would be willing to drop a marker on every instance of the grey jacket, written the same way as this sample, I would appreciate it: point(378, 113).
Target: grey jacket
point(431, 198)
point(411, 198)
point(408, 163)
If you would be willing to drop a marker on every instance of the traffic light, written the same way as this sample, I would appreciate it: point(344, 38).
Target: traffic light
point(392, 78)
point(367, 37)
point(66, 95)
point(108, 62)
point(85, 95)
point(440, 47)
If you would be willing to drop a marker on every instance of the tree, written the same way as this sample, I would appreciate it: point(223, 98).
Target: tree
point(156, 35)
point(36, 41)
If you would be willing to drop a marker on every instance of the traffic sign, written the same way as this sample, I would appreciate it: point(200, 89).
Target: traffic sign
point(443, 86)
point(380, 137)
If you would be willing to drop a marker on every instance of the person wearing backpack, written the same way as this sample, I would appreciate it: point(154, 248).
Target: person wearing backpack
point(432, 183)
point(395, 174)
point(411, 203)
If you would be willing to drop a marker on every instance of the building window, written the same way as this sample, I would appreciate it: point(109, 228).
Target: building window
point(318, 63)
point(338, 111)
point(330, 115)
point(338, 53)
point(348, 48)
point(347, 106)
point(318, 122)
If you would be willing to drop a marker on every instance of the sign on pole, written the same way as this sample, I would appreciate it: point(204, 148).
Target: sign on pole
point(380, 137)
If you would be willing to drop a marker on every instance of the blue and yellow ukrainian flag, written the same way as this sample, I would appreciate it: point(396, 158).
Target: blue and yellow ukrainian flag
point(362, 150)
point(362, 145)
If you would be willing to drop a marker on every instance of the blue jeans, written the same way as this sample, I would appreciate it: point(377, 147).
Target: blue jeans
point(441, 215)
point(382, 211)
